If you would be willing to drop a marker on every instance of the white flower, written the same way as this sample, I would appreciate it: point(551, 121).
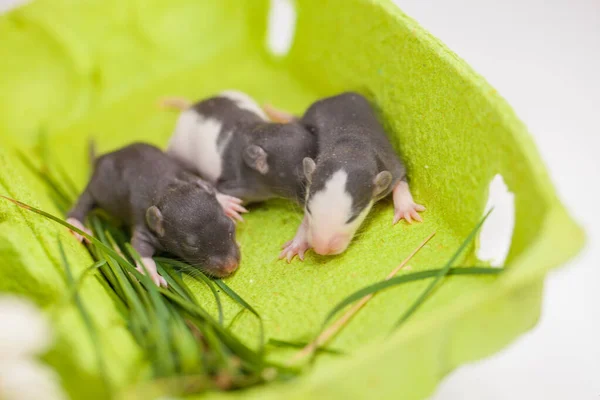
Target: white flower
point(25, 330)
point(25, 333)
point(28, 379)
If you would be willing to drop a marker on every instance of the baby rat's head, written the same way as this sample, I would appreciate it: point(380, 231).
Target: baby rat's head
point(190, 223)
point(338, 200)
point(273, 155)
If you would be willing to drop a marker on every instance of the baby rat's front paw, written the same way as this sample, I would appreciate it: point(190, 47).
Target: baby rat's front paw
point(295, 247)
point(151, 268)
point(79, 225)
point(232, 206)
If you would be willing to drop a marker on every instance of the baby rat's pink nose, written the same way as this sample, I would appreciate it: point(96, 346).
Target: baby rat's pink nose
point(230, 266)
point(226, 268)
point(335, 245)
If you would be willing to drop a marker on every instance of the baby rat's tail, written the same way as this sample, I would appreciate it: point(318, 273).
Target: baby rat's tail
point(178, 103)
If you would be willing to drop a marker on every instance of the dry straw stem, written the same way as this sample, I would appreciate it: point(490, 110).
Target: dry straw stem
point(343, 320)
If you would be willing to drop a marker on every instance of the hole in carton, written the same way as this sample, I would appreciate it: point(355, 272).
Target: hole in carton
point(496, 234)
point(281, 26)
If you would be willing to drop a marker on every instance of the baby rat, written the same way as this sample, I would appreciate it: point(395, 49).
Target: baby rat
point(167, 208)
point(355, 167)
point(228, 140)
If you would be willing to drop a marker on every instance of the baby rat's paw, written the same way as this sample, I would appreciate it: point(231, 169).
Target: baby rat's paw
point(293, 248)
point(79, 225)
point(151, 268)
point(276, 115)
point(232, 206)
point(409, 212)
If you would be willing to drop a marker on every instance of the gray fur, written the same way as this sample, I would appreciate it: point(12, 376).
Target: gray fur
point(167, 208)
point(350, 137)
point(261, 160)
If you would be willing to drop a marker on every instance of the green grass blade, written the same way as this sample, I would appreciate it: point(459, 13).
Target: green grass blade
point(402, 279)
point(161, 317)
point(86, 272)
point(215, 293)
point(175, 284)
point(200, 276)
point(240, 349)
point(48, 180)
point(235, 318)
point(87, 320)
point(301, 345)
point(238, 299)
point(442, 272)
point(187, 348)
point(70, 187)
point(122, 284)
point(92, 239)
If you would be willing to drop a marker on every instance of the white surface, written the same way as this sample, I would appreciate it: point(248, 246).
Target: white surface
point(544, 58)
point(496, 233)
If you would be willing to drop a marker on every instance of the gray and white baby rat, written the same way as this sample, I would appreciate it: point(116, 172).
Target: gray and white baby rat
point(229, 141)
point(356, 166)
point(167, 208)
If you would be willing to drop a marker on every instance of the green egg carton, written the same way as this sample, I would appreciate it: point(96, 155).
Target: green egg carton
point(75, 69)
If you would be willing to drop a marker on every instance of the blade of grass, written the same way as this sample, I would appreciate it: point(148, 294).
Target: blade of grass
point(406, 278)
point(139, 319)
point(167, 388)
point(301, 345)
point(126, 280)
point(87, 320)
point(243, 351)
point(215, 293)
point(238, 299)
point(235, 318)
point(70, 186)
point(161, 316)
point(200, 276)
point(222, 352)
point(325, 335)
point(71, 227)
point(60, 205)
point(86, 272)
point(186, 347)
point(48, 161)
point(98, 231)
point(442, 272)
point(173, 283)
point(49, 181)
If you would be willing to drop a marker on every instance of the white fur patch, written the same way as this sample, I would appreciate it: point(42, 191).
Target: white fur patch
point(195, 143)
point(331, 208)
point(245, 102)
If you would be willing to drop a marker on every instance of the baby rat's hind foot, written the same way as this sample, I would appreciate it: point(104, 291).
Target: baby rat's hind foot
point(232, 206)
point(79, 225)
point(278, 116)
point(151, 268)
point(404, 205)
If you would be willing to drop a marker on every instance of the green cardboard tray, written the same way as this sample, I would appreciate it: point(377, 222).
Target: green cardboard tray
point(97, 67)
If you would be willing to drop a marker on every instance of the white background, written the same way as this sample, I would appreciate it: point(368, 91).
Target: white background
point(544, 58)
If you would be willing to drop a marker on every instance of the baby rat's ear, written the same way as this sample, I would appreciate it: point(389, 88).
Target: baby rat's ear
point(256, 158)
point(154, 219)
point(205, 186)
point(382, 182)
point(309, 166)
